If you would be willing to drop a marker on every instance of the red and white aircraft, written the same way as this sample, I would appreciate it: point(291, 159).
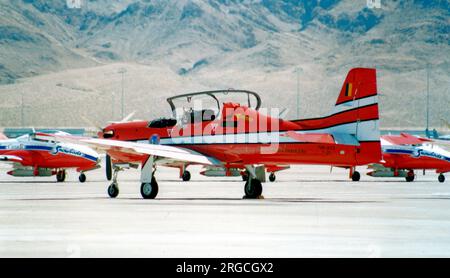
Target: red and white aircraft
point(33, 157)
point(404, 153)
point(229, 135)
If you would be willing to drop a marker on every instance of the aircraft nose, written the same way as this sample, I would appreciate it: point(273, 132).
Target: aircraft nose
point(106, 133)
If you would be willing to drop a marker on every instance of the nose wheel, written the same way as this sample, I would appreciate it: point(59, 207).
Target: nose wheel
point(441, 178)
point(113, 190)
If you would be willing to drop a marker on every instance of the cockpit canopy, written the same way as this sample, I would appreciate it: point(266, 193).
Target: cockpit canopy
point(208, 105)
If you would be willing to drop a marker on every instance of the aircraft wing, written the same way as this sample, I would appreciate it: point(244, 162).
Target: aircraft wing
point(405, 139)
point(160, 151)
point(10, 158)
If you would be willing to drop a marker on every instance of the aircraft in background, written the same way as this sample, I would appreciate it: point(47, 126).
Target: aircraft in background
point(404, 153)
point(33, 157)
point(236, 135)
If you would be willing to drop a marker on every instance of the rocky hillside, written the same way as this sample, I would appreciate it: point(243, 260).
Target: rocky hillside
point(63, 59)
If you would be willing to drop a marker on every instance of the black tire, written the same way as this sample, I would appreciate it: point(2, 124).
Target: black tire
point(61, 176)
point(149, 190)
point(113, 190)
point(356, 176)
point(441, 178)
point(410, 176)
point(272, 177)
point(108, 168)
point(186, 176)
point(82, 178)
point(253, 189)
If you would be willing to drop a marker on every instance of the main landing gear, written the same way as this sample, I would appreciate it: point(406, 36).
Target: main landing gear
point(410, 176)
point(149, 185)
point(272, 177)
point(441, 178)
point(253, 186)
point(149, 190)
point(253, 189)
point(61, 176)
point(354, 175)
point(186, 176)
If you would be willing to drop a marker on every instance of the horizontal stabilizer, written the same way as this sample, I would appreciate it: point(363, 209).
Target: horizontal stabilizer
point(405, 139)
point(10, 158)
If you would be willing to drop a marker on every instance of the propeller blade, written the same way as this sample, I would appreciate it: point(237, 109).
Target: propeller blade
point(108, 168)
point(91, 123)
point(127, 118)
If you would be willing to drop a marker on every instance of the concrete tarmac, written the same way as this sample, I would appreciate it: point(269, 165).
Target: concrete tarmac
point(307, 212)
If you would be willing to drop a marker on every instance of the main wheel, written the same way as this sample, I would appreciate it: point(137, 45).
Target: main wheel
point(149, 190)
point(272, 177)
point(410, 176)
point(61, 176)
point(82, 177)
point(186, 176)
point(441, 178)
point(113, 190)
point(356, 176)
point(253, 188)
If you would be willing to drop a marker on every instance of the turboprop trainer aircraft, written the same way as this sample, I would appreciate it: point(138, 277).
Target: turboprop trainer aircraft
point(33, 157)
point(404, 153)
point(211, 129)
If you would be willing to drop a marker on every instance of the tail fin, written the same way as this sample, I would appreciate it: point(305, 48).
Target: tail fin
point(357, 105)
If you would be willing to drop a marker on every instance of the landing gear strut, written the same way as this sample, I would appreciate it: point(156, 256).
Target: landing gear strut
point(441, 178)
point(149, 186)
point(61, 176)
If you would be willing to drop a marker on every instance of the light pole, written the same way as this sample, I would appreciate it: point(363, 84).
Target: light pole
point(22, 112)
point(122, 71)
point(298, 92)
point(112, 104)
point(428, 98)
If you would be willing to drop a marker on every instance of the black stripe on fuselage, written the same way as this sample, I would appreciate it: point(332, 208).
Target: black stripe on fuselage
point(339, 103)
point(337, 113)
